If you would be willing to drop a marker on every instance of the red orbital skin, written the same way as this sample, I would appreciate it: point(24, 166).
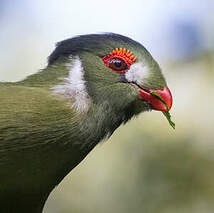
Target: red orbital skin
point(155, 102)
point(123, 54)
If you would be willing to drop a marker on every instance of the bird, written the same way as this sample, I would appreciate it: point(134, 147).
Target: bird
point(52, 119)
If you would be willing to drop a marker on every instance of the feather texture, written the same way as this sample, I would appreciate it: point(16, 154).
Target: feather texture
point(51, 120)
point(74, 86)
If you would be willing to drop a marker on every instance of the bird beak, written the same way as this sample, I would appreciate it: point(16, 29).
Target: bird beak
point(163, 103)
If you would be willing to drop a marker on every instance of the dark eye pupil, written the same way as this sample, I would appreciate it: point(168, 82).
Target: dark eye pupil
point(118, 64)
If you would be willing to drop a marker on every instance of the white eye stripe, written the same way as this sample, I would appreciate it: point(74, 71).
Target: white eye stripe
point(137, 72)
point(74, 87)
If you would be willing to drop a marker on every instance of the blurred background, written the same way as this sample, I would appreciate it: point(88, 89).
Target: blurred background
point(145, 166)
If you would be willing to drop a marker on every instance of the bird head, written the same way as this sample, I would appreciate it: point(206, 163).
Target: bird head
point(111, 68)
point(53, 118)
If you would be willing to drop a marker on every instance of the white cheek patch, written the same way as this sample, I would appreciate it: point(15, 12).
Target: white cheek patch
point(137, 72)
point(74, 86)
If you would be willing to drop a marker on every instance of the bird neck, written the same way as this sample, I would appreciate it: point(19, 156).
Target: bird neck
point(63, 139)
point(45, 164)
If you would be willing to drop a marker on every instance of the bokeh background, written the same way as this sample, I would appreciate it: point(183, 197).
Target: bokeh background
point(145, 166)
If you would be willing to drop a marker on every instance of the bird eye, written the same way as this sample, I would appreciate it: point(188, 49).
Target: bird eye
point(117, 64)
point(119, 60)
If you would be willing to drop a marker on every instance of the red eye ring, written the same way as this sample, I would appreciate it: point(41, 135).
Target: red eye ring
point(123, 57)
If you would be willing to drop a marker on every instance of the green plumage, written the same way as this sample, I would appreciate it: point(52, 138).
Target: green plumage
point(42, 137)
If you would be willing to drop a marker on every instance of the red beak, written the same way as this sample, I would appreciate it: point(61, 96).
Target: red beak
point(156, 103)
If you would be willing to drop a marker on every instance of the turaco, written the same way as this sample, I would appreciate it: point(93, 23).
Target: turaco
point(51, 120)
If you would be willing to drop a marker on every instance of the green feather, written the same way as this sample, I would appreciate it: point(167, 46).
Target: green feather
point(42, 137)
